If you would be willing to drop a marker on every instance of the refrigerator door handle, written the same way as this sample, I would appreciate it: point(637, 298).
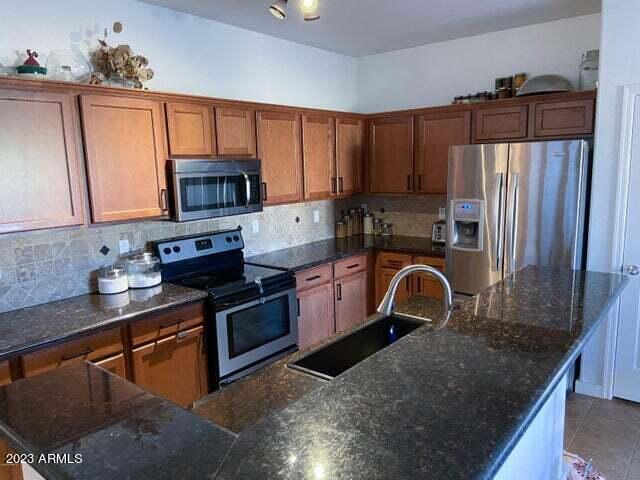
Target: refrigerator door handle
point(513, 184)
point(499, 234)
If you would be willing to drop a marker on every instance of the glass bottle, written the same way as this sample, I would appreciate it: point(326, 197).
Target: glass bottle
point(589, 70)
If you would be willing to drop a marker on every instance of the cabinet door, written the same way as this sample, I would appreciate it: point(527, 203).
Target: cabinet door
point(114, 365)
point(569, 118)
point(125, 157)
point(279, 150)
point(189, 128)
point(5, 373)
point(351, 301)
point(316, 320)
point(40, 180)
point(174, 367)
point(502, 123)
point(319, 143)
point(391, 155)
point(426, 285)
point(436, 133)
point(236, 132)
point(383, 280)
point(349, 133)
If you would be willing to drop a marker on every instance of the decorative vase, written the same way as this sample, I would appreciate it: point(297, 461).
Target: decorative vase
point(69, 66)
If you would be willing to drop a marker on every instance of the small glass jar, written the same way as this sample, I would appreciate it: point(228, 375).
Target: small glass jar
point(368, 224)
point(387, 229)
point(341, 230)
point(112, 280)
point(377, 226)
point(589, 69)
point(349, 223)
point(143, 271)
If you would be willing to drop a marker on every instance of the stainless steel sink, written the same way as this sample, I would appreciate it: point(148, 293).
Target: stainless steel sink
point(335, 358)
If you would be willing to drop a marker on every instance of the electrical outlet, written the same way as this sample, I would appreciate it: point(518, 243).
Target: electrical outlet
point(255, 226)
point(364, 207)
point(123, 245)
point(316, 216)
point(442, 213)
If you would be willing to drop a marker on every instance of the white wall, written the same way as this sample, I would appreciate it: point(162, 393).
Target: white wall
point(619, 66)
point(188, 54)
point(433, 74)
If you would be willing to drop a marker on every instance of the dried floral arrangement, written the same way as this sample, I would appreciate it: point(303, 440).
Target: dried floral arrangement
point(119, 62)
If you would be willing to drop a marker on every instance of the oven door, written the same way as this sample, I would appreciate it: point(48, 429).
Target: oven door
point(254, 331)
point(206, 195)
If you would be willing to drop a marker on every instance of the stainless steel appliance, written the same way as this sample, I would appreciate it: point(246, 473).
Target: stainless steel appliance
point(214, 188)
point(439, 232)
point(510, 205)
point(252, 310)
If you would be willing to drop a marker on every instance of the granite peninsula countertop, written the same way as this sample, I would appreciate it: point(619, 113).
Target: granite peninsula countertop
point(317, 253)
point(35, 327)
point(448, 402)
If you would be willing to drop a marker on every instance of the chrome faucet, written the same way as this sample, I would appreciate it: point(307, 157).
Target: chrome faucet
point(387, 306)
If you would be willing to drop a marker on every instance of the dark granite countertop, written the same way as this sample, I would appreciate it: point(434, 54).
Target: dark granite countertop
point(447, 402)
point(325, 251)
point(35, 327)
point(120, 430)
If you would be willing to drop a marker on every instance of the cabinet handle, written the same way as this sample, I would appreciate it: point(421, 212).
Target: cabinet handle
point(298, 304)
point(408, 284)
point(339, 291)
point(333, 185)
point(419, 286)
point(172, 324)
point(420, 182)
point(181, 336)
point(164, 204)
point(341, 182)
point(84, 352)
point(353, 266)
point(315, 277)
point(264, 191)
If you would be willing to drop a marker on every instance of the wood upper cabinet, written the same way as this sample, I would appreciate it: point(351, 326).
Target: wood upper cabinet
point(5, 373)
point(436, 133)
point(391, 155)
point(500, 123)
point(125, 150)
point(568, 118)
point(174, 367)
point(349, 146)
point(40, 180)
point(350, 300)
point(189, 126)
point(316, 318)
point(318, 145)
point(279, 149)
point(236, 132)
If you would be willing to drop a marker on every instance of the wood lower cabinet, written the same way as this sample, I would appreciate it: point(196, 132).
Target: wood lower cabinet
point(501, 123)
point(569, 118)
point(173, 367)
point(391, 155)
point(387, 265)
point(40, 184)
point(115, 365)
point(316, 316)
point(236, 132)
point(125, 154)
point(351, 301)
point(279, 150)
point(318, 153)
point(436, 133)
point(5, 373)
point(426, 285)
point(349, 156)
point(93, 348)
point(189, 127)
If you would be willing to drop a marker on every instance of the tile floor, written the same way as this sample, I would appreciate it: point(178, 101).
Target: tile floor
point(608, 432)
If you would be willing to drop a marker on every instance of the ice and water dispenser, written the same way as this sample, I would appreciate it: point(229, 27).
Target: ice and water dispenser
point(467, 225)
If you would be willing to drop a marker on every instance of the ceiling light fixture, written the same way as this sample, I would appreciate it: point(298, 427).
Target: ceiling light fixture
point(310, 10)
point(279, 9)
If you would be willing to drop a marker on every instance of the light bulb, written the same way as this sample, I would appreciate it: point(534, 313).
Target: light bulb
point(309, 5)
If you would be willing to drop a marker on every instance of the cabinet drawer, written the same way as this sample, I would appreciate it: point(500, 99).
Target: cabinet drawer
point(91, 348)
point(349, 266)
point(436, 262)
point(166, 323)
point(5, 373)
point(313, 276)
point(501, 123)
point(564, 118)
point(396, 261)
point(114, 365)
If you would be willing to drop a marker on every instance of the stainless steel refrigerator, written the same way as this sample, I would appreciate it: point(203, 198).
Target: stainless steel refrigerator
point(511, 205)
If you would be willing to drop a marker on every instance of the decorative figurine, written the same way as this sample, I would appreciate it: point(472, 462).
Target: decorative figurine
point(31, 65)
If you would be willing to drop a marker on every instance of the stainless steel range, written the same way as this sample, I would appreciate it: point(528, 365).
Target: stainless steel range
point(252, 310)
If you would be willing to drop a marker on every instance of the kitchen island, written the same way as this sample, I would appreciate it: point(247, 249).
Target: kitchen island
point(452, 402)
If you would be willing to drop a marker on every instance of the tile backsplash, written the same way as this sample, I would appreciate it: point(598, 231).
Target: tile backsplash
point(42, 266)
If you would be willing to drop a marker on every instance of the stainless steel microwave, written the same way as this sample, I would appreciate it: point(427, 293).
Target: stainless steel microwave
point(214, 188)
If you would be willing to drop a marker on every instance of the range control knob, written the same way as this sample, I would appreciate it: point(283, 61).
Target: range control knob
point(228, 239)
point(167, 251)
point(176, 249)
point(236, 238)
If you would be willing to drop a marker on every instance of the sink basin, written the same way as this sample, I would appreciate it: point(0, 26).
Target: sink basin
point(331, 360)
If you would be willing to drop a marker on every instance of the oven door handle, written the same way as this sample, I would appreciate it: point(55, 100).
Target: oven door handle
point(247, 185)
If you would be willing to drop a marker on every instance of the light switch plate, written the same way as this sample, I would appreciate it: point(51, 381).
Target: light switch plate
point(442, 213)
point(364, 207)
point(123, 245)
point(316, 216)
point(255, 226)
